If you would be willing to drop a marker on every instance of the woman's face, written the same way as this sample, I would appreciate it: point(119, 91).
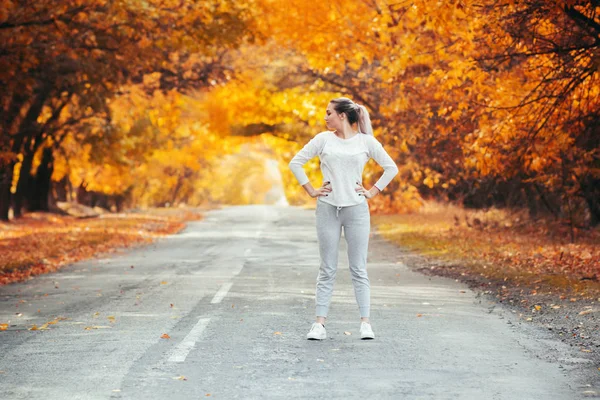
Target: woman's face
point(332, 118)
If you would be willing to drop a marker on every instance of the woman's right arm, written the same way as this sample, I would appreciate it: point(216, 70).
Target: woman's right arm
point(296, 165)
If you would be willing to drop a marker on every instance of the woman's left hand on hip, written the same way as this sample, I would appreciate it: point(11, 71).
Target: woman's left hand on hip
point(363, 192)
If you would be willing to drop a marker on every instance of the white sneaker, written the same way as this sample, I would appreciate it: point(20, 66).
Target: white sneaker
point(317, 332)
point(365, 331)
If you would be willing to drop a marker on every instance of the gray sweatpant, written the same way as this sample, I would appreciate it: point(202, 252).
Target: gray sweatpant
point(356, 222)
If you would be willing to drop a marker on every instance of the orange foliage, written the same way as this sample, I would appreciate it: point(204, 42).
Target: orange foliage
point(41, 243)
point(460, 91)
point(479, 101)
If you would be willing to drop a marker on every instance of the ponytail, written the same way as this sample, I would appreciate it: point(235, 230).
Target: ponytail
point(364, 121)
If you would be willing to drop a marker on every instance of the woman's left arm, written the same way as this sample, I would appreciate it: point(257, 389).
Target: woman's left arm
point(390, 169)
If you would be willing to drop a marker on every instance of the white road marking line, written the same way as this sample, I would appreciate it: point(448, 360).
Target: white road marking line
point(238, 270)
point(135, 314)
point(221, 293)
point(65, 276)
point(182, 350)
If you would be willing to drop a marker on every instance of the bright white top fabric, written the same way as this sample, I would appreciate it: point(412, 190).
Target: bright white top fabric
point(342, 164)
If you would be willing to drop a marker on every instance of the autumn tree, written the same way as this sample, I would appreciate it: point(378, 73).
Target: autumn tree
point(482, 102)
point(61, 61)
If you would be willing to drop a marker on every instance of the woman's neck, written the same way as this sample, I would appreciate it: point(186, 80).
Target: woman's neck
point(346, 133)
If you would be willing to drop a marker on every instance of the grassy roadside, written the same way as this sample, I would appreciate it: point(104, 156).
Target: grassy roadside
point(529, 266)
point(41, 242)
point(499, 249)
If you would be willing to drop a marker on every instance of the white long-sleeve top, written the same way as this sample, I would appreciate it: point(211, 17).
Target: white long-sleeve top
point(342, 164)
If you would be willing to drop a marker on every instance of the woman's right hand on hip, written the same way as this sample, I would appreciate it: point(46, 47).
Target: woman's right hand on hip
point(322, 191)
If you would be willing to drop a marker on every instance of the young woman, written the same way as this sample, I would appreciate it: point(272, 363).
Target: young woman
point(343, 150)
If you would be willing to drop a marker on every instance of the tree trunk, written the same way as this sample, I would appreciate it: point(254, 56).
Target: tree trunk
point(6, 177)
point(41, 188)
point(591, 193)
point(25, 131)
point(23, 186)
point(61, 189)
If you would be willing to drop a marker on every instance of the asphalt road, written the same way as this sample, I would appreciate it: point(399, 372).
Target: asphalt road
point(235, 295)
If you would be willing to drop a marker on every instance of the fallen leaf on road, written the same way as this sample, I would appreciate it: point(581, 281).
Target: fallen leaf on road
point(165, 336)
point(180, 378)
point(419, 315)
point(171, 305)
point(584, 312)
point(277, 333)
point(111, 318)
point(87, 328)
point(3, 327)
point(163, 282)
point(538, 307)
